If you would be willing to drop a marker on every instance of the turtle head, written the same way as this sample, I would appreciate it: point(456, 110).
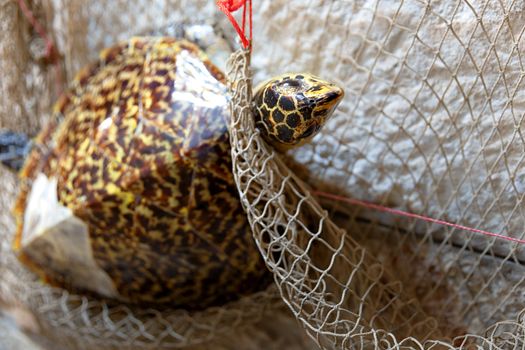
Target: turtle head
point(291, 108)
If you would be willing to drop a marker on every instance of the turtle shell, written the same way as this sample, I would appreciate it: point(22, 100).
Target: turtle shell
point(139, 152)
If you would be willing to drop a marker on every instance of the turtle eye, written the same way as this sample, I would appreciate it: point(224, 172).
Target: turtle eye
point(311, 129)
point(292, 83)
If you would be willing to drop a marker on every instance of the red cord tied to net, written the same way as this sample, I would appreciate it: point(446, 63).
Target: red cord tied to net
point(229, 7)
point(52, 55)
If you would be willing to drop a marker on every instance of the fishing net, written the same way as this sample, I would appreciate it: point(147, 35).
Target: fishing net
point(77, 321)
point(430, 125)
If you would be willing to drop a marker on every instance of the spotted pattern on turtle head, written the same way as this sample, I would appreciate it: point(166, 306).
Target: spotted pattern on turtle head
point(290, 109)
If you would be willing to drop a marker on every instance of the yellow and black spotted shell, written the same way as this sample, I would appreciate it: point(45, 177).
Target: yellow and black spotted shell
point(141, 154)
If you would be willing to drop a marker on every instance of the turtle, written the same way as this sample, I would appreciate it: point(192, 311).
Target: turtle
point(128, 192)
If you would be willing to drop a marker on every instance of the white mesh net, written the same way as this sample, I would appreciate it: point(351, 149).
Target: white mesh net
point(431, 124)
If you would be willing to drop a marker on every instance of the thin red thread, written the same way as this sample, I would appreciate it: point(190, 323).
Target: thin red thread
point(251, 20)
point(378, 207)
point(244, 19)
point(52, 54)
point(230, 6)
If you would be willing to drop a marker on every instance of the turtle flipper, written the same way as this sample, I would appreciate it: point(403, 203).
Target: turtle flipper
point(14, 148)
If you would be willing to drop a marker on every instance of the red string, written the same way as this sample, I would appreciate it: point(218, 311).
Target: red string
point(230, 6)
point(251, 20)
point(244, 19)
point(414, 216)
point(51, 56)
